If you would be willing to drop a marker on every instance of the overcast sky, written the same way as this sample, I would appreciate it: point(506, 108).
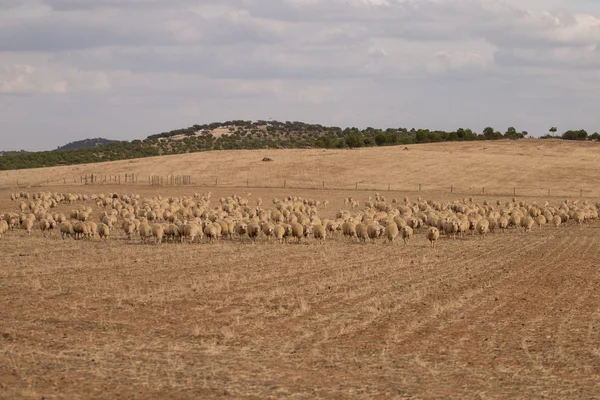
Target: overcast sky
point(126, 69)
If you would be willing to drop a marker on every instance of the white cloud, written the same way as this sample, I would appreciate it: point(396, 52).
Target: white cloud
point(430, 63)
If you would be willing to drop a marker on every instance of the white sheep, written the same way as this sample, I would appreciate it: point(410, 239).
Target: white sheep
point(433, 235)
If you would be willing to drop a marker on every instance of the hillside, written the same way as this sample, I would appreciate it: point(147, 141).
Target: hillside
point(86, 144)
point(564, 167)
point(238, 134)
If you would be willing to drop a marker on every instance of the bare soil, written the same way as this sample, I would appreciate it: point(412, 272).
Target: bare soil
point(511, 316)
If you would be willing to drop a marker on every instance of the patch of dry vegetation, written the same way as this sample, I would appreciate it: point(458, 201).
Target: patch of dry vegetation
point(531, 166)
point(510, 316)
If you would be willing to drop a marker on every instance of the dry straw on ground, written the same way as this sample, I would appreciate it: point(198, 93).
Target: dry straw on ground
point(509, 316)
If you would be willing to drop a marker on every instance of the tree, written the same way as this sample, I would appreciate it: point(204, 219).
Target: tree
point(488, 132)
point(353, 140)
point(553, 131)
point(575, 135)
point(380, 139)
point(511, 133)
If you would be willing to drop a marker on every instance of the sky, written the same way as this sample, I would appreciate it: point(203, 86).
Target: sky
point(126, 69)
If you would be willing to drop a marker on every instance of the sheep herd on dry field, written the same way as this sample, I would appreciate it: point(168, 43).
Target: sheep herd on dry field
point(197, 218)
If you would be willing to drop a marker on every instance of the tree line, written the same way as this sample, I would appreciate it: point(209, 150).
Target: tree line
point(262, 134)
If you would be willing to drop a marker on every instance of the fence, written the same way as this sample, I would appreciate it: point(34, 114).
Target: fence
point(105, 179)
point(158, 180)
point(314, 184)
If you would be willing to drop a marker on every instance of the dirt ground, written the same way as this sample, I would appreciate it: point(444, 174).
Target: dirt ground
point(510, 316)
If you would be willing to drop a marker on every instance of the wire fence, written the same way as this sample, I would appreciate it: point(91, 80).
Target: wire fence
point(304, 184)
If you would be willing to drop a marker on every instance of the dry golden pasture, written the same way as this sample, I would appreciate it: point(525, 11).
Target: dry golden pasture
point(531, 166)
point(510, 316)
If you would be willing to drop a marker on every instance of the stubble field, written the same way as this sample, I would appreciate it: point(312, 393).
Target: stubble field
point(513, 315)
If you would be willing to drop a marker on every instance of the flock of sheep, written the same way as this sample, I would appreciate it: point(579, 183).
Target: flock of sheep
point(198, 218)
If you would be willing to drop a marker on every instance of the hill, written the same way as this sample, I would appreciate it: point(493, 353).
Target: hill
point(86, 144)
point(238, 134)
point(532, 166)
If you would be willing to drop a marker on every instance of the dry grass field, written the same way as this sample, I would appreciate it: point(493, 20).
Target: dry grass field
point(513, 315)
point(532, 166)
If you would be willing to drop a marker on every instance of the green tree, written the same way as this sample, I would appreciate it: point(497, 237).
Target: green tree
point(380, 139)
point(511, 133)
point(488, 132)
point(353, 140)
point(575, 135)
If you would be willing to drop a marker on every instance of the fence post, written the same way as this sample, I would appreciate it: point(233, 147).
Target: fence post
point(216, 181)
point(419, 187)
point(323, 185)
point(284, 183)
point(483, 190)
point(389, 186)
point(514, 191)
point(247, 182)
point(548, 192)
point(451, 188)
point(580, 192)
point(356, 186)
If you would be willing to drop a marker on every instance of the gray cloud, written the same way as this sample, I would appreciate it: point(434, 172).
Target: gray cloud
point(438, 64)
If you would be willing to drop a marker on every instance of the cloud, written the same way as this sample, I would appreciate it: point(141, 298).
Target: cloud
point(27, 79)
point(431, 63)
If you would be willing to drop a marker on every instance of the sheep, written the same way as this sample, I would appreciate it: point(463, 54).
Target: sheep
point(191, 231)
point(46, 226)
point(556, 221)
point(361, 232)
point(502, 223)
point(540, 220)
point(433, 234)
point(129, 228)
point(391, 232)
point(241, 229)
point(66, 229)
point(92, 228)
point(81, 230)
point(27, 224)
point(297, 230)
point(579, 217)
point(211, 233)
point(319, 233)
point(483, 227)
point(493, 223)
point(103, 231)
point(3, 227)
point(279, 233)
point(158, 232)
point(268, 230)
point(451, 227)
point(145, 231)
point(527, 223)
point(172, 232)
point(331, 227)
point(253, 230)
point(374, 231)
point(349, 229)
point(407, 233)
